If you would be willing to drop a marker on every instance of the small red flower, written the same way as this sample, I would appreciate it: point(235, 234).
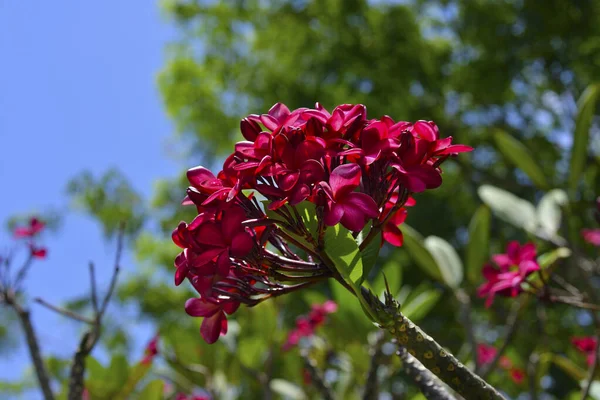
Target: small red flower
point(517, 375)
point(587, 345)
point(38, 252)
point(151, 350)
point(592, 236)
point(35, 227)
point(306, 325)
point(485, 353)
point(510, 272)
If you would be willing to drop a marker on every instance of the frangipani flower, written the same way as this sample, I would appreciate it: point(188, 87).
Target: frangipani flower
point(341, 167)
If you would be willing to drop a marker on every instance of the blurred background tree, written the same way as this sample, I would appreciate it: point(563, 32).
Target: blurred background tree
point(502, 76)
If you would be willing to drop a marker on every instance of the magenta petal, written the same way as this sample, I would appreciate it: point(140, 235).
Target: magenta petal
point(182, 268)
point(502, 260)
point(344, 179)
point(269, 122)
point(232, 223)
point(299, 194)
point(513, 250)
point(231, 307)
point(288, 181)
point(201, 308)
point(425, 130)
point(393, 235)
point(198, 175)
point(223, 265)
point(211, 327)
point(210, 233)
point(241, 244)
point(279, 111)
point(353, 218)
point(333, 215)
point(364, 203)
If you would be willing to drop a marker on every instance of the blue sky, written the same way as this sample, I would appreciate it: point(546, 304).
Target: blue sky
point(77, 91)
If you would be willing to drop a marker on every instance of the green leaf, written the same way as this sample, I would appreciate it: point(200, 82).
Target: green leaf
point(418, 307)
point(447, 260)
point(136, 374)
point(341, 247)
point(422, 257)
point(117, 373)
point(547, 259)
point(586, 106)
point(520, 156)
point(569, 367)
point(479, 242)
point(287, 389)
point(549, 212)
point(153, 391)
point(370, 253)
point(392, 271)
point(509, 207)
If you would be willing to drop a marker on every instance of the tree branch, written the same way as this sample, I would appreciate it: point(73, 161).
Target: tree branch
point(316, 376)
point(63, 311)
point(511, 323)
point(32, 345)
point(431, 387)
point(465, 312)
point(372, 385)
point(91, 337)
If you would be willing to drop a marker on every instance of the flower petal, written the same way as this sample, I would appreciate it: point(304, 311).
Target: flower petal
point(344, 179)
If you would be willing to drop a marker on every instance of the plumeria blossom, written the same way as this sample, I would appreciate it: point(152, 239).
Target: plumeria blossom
point(587, 345)
point(34, 227)
point(30, 233)
point(508, 272)
point(485, 353)
point(592, 236)
point(307, 324)
point(151, 350)
point(340, 166)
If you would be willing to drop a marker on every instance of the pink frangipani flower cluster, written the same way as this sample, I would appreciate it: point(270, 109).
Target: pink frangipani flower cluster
point(353, 171)
point(307, 324)
point(487, 353)
point(587, 345)
point(508, 272)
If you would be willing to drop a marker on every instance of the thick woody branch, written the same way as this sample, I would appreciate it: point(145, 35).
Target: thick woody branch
point(431, 387)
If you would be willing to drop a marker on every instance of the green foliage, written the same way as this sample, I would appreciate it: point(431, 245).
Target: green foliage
point(110, 199)
point(586, 107)
point(448, 262)
point(478, 246)
point(343, 250)
point(520, 156)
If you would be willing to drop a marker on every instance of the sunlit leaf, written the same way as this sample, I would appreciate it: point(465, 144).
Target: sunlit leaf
point(447, 260)
point(287, 389)
point(153, 391)
point(586, 106)
point(422, 257)
point(521, 157)
point(478, 246)
point(341, 247)
point(509, 207)
point(549, 212)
